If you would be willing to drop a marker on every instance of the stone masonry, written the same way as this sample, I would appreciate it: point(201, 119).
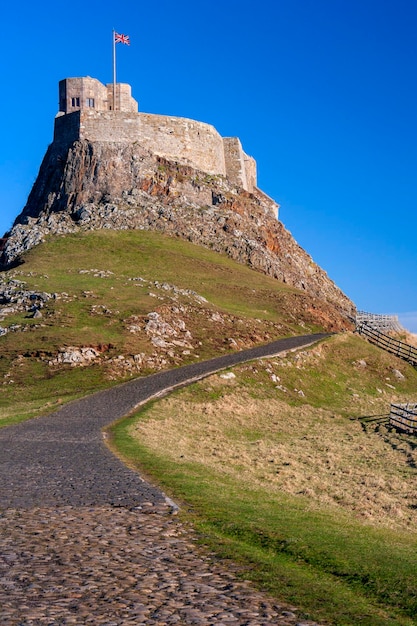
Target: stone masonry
point(87, 112)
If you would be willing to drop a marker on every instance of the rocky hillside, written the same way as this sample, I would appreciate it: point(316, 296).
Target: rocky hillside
point(93, 186)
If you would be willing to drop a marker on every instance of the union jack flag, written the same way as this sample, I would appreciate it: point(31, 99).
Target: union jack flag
point(122, 39)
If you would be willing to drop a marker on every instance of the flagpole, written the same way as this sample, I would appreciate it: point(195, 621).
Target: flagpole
point(114, 70)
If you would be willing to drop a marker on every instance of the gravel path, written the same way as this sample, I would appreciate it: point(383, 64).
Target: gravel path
point(84, 540)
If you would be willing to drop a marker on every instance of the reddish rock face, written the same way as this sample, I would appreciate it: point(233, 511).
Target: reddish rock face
point(113, 185)
point(271, 241)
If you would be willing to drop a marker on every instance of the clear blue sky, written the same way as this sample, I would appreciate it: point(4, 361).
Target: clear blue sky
point(323, 93)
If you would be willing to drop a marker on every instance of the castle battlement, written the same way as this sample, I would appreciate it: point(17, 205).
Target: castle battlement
point(86, 93)
point(87, 110)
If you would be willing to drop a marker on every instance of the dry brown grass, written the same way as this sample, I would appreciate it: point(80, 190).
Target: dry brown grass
point(301, 450)
point(410, 338)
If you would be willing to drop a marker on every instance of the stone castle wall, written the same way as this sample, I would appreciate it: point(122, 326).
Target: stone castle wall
point(90, 94)
point(93, 125)
point(87, 112)
point(183, 140)
point(239, 166)
point(188, 142)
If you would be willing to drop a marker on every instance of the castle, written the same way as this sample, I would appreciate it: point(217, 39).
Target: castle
point(111, 167)
point(107, 113)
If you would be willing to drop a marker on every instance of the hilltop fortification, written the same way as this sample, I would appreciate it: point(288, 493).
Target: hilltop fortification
point(87, 111)
point(112, 167)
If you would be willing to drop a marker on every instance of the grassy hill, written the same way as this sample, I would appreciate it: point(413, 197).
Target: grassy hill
point(291, 469)
point(287, 467)
point(104, 284)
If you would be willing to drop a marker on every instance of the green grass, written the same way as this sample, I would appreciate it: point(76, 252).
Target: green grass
point(33, 390)
point(323, 558)
point(59, 265)
point(333, 381)
point(332, 567)
point(329, 563)
point(223, 282)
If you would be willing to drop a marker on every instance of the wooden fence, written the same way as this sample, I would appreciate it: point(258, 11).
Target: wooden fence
point(381, 322)
point(404, 417)
point(399, 348)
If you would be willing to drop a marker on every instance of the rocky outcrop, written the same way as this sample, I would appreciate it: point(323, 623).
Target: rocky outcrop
point(14, 298)
point(123, 186)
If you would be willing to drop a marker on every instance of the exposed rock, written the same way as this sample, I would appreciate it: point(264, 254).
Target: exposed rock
point(228, 376)
point(14, 298)
point(123, 186)
point(361, 363)
point(75, 356)
point(166, 334)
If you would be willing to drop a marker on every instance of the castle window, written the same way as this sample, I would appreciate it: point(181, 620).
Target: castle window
point(75, 102)
point(90, 102)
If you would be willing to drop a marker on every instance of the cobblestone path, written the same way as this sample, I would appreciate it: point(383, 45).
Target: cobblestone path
point(117, 566)
point(84, 540)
